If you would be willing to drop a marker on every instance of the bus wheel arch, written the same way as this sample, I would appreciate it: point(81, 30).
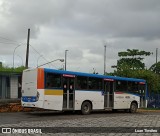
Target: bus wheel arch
point(86, 107)
point(133, 107)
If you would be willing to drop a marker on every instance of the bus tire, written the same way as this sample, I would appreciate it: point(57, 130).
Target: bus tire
point(133, 107)
point(114, 110)
point(86, 108)
point(127, 110)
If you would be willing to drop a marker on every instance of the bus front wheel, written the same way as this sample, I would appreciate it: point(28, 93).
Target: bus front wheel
point(133, 107)
point(86, 108)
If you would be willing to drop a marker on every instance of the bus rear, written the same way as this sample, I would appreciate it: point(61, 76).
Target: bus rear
point(30, 93)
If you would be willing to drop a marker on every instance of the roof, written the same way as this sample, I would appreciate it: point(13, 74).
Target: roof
point(93, 75)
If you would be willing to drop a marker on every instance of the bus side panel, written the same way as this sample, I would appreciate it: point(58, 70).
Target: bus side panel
point(95, 97)
point(40, 101)
point(123, 100)
point(53, 99)
point(40, 78)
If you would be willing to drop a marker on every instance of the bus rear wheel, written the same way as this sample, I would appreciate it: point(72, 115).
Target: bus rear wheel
point(86, 108)
point(133, 107)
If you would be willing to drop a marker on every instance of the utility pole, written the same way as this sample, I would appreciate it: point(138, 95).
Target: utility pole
point(104, 59)
point(27, 51)
point(156, 58)
point(156, 54)
point(156, 73)
point(66, 59)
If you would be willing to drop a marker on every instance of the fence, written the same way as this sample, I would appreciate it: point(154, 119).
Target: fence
point(154, 100)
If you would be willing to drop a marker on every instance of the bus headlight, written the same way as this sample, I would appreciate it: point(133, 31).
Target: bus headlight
point(37, 97)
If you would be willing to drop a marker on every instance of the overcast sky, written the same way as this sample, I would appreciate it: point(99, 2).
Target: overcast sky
point(81, 26)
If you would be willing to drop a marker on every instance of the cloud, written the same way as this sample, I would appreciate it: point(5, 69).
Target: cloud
point(82, 27)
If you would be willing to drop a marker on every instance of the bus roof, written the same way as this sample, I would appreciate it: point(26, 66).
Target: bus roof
point(92, 75)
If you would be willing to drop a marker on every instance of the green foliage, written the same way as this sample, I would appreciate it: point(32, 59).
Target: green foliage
point(134, 52)
point(153, 80)
point(155, 68)
point(131, 59)
point(9, 69)
point(61, 69)
point(130, 65)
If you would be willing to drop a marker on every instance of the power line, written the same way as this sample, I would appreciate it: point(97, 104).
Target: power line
point(39, 53)
point(20, 43)
point(13, 41)
point(9, 39)
point(7, 43)
point(34, 49)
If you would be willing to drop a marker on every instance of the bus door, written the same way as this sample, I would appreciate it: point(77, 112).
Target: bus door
point(142, 93)
point(68, 91)
point(108, 93)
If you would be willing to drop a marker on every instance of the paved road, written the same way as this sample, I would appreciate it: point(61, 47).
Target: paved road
point(96, 123)
point(17, 117)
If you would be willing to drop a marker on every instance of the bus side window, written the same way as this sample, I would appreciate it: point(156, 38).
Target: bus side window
point(65, 88)
point(53, 80)
point(141, 89)
point(78, 86)
point(90, 85)
point(95, 83)
point(129, 86)
point(133, 87)
point(71, 87)
point(81, 83)
point(121, 86)
point(49, 85)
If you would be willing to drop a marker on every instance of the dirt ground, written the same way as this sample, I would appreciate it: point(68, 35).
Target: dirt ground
point(16, 107)
point(13, 107)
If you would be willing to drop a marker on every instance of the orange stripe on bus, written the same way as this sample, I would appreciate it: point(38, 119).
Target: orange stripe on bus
point(40, 78)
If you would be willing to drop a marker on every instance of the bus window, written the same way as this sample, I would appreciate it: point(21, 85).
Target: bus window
point(141, 89)
point(65, 86)
point(81, 83)
point(53, 80)
point(133, 87)
point(121, 86)
point(95, 83)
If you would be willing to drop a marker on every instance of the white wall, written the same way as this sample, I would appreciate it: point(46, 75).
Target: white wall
point(14, 87)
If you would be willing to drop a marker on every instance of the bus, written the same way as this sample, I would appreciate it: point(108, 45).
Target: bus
point(66, 90)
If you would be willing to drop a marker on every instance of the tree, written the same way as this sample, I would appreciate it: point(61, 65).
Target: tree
point(94, 71)
point(131, 65)
point(8, 69)
point(131, 60)
point(155, 68)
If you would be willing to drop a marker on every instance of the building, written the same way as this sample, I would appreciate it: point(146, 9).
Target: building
point(10, 84)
